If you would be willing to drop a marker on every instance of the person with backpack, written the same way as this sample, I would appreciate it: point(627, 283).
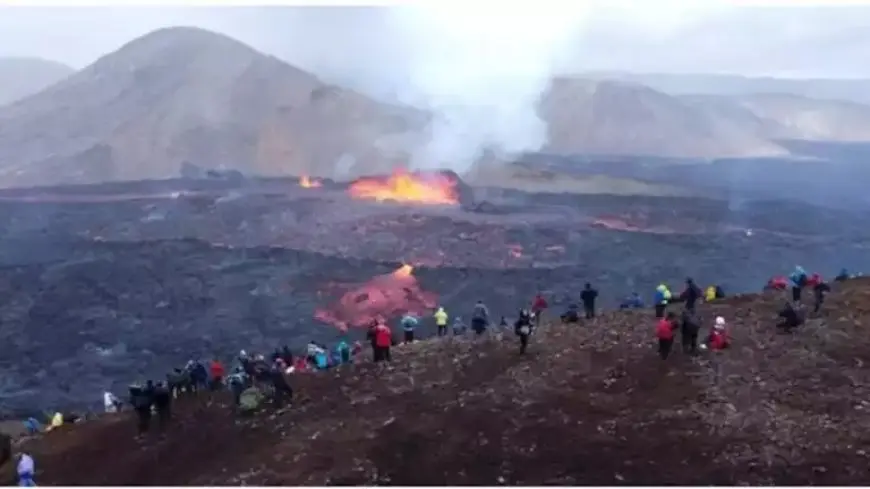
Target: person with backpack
point(479, 318)
point(661, 299)
point(820, 289)
point(523, 329)
point(237, 382)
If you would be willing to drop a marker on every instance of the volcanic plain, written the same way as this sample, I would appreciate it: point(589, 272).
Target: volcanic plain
point(110, 283)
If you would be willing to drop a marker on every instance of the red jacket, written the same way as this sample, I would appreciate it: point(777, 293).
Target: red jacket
point(815, 279)
point(664, 330)
point(217, 370)
point(539, 303)
point(718, 340)
point(383, 336)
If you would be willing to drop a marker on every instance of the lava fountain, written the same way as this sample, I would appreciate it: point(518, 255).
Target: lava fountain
point(306, 182)
point(402, 186)
point(384, 296)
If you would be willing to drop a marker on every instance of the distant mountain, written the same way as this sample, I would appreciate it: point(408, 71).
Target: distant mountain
point(587, 116)
point(20, 77)
point(785, 116)
point(182, 96)
point(854, 90)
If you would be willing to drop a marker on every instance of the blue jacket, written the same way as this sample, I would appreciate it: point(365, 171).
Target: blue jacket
point(798, 277)
point(409, 323)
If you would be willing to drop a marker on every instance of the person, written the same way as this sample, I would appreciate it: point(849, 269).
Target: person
point(710, 293)
point(198, 375)
point(178, 381)
point(25, 470)
point(32, 426)
point(237, 382)
point(287, 355)
point(798, 281)
point(689, 328)
point(790, 317)
point(479, 318)
point(343, 351)
point(539, 305)
point(661, 299)
point(321, 359)
point(141, 398)
point(280, 385)
point(665, 335)
point(776, 283)
point(383, 341)
point(842, 276)
point(523, 329)
point(356, 349)
point(588, 297)
point(371, 336)
point(691, 295)
point(820, 289)
point(111, 403)
point(571, 315)
point(441, 321)
point(720, 292)
point(718, 338)
point(56, 421)
point(633, 301)
point(458, 326)
point(163, 404)
point(409, 324)
point(216, 368)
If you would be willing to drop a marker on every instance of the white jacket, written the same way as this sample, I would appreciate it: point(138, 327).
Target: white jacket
point(25, 465)
point(109, 401)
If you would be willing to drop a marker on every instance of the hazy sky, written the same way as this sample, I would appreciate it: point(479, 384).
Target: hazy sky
point(484, 69)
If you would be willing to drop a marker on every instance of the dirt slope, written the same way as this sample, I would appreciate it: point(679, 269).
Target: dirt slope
point(591, 404)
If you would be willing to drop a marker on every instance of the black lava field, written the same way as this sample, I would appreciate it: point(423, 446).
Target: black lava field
point(108, 284)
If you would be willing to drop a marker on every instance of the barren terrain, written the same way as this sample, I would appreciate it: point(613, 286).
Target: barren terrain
point(590, 404)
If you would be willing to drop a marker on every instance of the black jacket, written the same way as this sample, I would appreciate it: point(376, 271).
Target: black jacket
point(588, 297)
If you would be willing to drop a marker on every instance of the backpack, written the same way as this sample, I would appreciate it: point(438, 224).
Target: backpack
point(250, 399)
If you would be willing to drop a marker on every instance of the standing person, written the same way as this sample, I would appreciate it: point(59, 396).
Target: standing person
point(237, 383)
point(371, 336)
point(819, 290)
point(141, 400)
point(409, 324)
point(479, 318)
point(665, 334)
point(441, 321)
point(383, 342)
point(588, 297)
point(691, 295)
point(539, 305)
point(662, 297)
point(111, 403)
point(523, 329)
point(25, 470)
point(216, 368)
point(280, 385)
point(163, 404)
point(798, 282)
point(689, 329)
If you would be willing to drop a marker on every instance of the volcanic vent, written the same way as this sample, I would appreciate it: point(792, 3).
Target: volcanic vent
point(418, 187)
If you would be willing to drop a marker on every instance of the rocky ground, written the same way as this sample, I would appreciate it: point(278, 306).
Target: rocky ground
point(589, 404)
point(107, 284)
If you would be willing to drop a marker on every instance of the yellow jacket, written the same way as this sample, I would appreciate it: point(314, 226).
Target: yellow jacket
point(710, 293)
point(440, 317)
point(56, 421)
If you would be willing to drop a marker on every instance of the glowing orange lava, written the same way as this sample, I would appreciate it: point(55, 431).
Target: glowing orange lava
point(306, 182)
point(385, 296)
point(402, 186)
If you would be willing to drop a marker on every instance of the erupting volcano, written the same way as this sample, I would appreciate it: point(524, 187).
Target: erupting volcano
point(383, 296)
point(306, 182)
point(402, 186)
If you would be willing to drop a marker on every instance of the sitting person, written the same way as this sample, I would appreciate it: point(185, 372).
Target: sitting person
point(571, 315)
point(632, 302)
point(791, 317)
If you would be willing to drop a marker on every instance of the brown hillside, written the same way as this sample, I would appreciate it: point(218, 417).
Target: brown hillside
point(590, 404)
point(184, 94)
